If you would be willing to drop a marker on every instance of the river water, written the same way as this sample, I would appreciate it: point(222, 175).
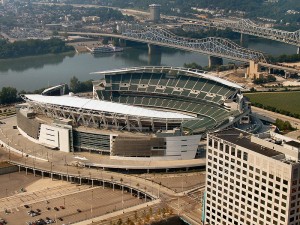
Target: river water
point(31, 73)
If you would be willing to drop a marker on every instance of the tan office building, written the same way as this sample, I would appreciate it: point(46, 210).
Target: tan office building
point(252, 180)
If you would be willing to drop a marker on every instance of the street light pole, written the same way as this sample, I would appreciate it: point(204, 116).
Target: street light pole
point(92, 203)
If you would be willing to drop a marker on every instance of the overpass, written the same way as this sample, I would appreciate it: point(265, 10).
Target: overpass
point(212, 46)
point(246, 26)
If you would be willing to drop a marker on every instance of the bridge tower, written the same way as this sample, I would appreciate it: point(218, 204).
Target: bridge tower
point(214, 61)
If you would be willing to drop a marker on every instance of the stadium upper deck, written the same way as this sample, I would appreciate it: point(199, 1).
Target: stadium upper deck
point(174, 89)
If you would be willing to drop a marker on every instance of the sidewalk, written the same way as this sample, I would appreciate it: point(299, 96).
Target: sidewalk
point(118, 213)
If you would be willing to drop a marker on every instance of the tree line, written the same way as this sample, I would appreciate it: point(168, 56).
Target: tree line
point(285, 58)
point(274, 109)
point(32, 47)
point(211, 32)
point(276, 10)
point(9, 95)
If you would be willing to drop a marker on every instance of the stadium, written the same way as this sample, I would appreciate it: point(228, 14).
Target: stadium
point(141, 113)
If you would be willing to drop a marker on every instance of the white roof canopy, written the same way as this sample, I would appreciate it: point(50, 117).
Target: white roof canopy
point(105, 106)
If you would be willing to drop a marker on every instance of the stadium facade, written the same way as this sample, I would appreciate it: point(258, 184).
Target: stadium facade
point(145, 113)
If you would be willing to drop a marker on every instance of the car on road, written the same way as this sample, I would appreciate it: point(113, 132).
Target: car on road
point(79, 210)
point(26, 206)
point(56, 209)
point(60, 219)
point(62, 207)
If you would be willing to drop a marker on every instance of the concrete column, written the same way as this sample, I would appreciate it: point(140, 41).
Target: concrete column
point(152, 49)
point(131, 191)
point(298, 50)
point(42, 175)
point(214, 61)
point(270, 70)
point(51, 176)
point(34, 172)
point(92, 183)
point(26, 170)
point(19, 169)
point(80, 180)
point(103, 184)
point(154, 55)
point(122, 42)
point(244, 40)
point(113, 187)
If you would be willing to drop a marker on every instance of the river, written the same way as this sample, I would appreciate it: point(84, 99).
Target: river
point(31, 73)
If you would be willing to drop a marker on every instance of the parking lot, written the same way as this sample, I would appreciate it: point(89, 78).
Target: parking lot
point(63, 202)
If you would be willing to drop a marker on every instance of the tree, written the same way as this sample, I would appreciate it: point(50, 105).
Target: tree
point(8, 95)
point(119, 221)
point(105, 41)
point(55, 33)
point(74, 84)
point(135, 215)
point(192, 66)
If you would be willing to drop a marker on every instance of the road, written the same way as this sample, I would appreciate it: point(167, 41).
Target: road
point(268, 114)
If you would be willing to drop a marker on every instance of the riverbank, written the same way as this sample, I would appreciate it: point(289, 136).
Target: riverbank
point(33, 48)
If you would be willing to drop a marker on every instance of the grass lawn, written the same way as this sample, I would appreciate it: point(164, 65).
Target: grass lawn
point(288, 101)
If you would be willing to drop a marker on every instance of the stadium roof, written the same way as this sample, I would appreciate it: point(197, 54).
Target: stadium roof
point(105, 106)
point(185, 71)
point(53, 88)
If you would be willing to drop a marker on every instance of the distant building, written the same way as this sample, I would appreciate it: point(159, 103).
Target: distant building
point(251, 180)
point(154, 12)
point(87, 19)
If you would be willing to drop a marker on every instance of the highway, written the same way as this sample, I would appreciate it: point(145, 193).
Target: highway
point(273, 116)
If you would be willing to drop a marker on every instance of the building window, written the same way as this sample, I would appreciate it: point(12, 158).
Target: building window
point(264, 173)
point(232, 151)
point(239, 154)
point(221, 146)
point(210, 142)
point(245, 156)
point(216, 144)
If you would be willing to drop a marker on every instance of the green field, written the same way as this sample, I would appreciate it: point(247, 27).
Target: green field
point(287, 101)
